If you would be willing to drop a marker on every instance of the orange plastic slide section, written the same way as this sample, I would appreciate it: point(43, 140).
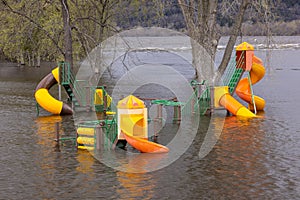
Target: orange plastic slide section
point(235, 107)
point(132, 130)
point(144, 145)
point(243, 88)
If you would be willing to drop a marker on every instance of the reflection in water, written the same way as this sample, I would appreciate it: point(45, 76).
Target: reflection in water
point(46, 129)
point(135, 186)
point(85, 162)
point(240, 157)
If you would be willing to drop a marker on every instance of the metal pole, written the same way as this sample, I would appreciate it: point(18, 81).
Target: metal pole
point(99, 140)
point(59, 92)
point(212, 99)
point(158, 120)
point(252, 95)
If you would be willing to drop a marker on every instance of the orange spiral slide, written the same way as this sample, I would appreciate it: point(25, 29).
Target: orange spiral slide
point(243, 90)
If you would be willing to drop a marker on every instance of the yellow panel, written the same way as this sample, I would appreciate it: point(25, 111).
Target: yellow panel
point(98, 97)
point(109, 100)
point(86, 131)
point(55, 73)
point(46, 101)
point(218, 93)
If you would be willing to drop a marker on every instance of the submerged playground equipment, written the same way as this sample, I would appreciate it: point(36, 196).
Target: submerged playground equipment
point(245, 62)
point(45, 100)
point(128, 121)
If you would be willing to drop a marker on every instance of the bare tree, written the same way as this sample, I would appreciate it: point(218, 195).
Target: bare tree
point(68, 52)
point(200, 17)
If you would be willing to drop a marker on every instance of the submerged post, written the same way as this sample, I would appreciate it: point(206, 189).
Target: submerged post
point(99, 137)
point(57, 131)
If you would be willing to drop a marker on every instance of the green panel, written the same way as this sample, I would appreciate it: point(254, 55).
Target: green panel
point(235, 79)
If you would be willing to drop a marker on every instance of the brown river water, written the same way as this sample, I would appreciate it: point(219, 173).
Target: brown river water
point(253, 158)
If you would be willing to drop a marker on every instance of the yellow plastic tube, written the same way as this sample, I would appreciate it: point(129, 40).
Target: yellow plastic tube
point(46, 101)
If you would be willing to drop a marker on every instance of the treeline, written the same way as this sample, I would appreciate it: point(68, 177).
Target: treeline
point(284, 20)
point(31, 31)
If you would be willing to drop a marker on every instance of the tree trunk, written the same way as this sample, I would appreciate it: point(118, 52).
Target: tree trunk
point(38, 59)
point(200, 18)
point(202, 29)
point(232, 39)
point(68, 51)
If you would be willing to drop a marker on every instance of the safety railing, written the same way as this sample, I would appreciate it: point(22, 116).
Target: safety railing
point(198, 102)
point(233, 72)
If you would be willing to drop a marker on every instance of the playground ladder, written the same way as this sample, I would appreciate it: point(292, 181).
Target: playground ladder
point(233, 73)
point(76, 93)
point(235, 79)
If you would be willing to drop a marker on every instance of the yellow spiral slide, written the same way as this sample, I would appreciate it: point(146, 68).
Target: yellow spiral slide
point(45, 100)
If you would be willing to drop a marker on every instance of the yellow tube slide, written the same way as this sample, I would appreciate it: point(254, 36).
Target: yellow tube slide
point(243, 88)
point(45, 100)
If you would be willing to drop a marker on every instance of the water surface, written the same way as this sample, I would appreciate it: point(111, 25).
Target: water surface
point(253, 159)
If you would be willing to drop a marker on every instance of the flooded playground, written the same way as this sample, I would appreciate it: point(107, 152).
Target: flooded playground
point(256, 158)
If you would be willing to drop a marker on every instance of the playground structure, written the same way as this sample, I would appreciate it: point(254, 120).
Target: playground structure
point(127, 122)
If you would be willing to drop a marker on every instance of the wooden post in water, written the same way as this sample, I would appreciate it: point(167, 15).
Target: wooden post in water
point(57, 131)
point(99, 137)
point(57, 137)
point(158, 121)
point(104, 102)
point(177, 115)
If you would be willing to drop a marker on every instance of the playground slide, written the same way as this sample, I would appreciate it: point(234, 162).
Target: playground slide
point(45, 100)
point(243, 91)
point(144, 145)
point(243, 88)
point(235, 107)
point(133, 131)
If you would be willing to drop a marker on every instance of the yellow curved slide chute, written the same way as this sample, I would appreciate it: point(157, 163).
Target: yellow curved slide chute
point(45, 100)
point(230, 103)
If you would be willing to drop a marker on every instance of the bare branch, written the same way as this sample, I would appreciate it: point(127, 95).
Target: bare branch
point(10, 9)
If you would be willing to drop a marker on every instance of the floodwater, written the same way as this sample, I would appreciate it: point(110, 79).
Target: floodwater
point(253, 158)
